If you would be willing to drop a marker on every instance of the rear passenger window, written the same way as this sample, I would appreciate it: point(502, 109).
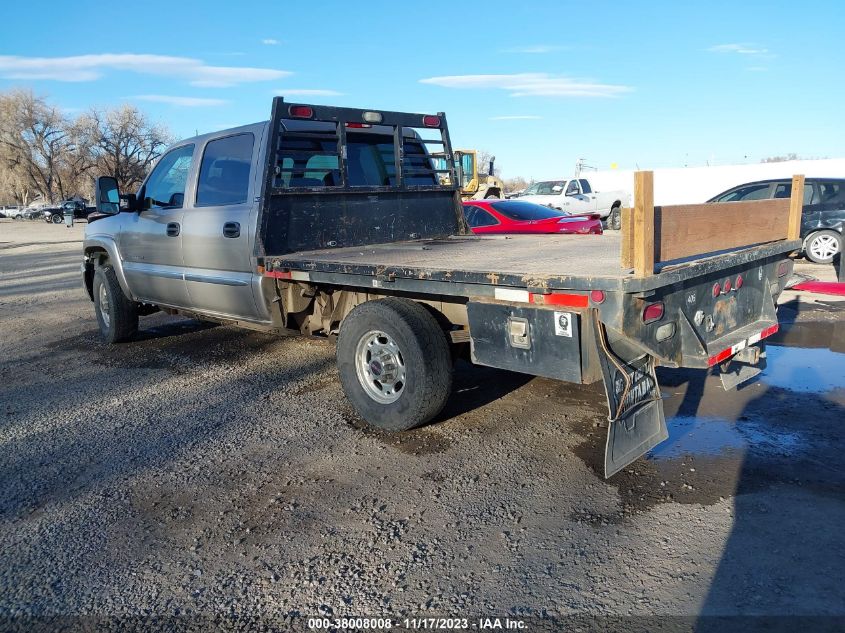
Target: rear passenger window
point(830, 191)
point(784, 190)
point(224, 172)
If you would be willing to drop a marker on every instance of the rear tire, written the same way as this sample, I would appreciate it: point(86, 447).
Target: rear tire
point(117, 316)
point(823, 246)
point(614, 220)
point(395, 363)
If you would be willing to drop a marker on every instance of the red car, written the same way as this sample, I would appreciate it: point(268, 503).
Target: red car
point(517, 216)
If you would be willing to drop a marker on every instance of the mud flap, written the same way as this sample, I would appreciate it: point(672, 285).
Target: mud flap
point(743, 367)
point(636, 423)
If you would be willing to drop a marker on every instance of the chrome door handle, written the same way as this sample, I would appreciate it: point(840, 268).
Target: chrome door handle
point(232, 229)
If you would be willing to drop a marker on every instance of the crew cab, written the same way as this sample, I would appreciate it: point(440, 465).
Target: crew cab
point(578, 196)
point(57, 214)
point(336, 222)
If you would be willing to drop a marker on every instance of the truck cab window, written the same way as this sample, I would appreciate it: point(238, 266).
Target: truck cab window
point(572, 188)
point(224, 171)
point(166, 185)
point(585, 186)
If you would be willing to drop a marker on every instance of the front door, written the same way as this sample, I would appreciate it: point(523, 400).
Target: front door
point(151, 239)
point(216, 238)
point(576, 201)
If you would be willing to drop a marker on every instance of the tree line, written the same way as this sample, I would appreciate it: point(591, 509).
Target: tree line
point(48, 156)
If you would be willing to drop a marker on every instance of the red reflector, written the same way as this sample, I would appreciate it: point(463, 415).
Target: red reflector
point(718, 358)
point(597, 296)
point(738, 283)
point(717, 289)
point(727, 286)
point(301, 112)
point(783, 268)
point(278, 274)
point(653, 312)
point(429, 120)
point(358, 125)
point(561, 299)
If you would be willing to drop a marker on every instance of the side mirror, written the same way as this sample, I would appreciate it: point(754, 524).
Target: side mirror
point(108, 195)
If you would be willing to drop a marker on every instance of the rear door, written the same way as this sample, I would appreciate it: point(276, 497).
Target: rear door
point(576, 201)
point(151, 239)
point(217, 233)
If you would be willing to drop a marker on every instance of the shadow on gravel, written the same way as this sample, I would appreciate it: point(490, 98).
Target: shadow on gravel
point(99, 432)
point(783, 559)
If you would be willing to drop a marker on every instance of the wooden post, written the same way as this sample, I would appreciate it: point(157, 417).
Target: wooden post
point(796, 203)
point(627, 234)
point(643, 238)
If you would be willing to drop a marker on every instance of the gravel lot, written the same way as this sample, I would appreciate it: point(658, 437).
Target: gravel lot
point(206, 472)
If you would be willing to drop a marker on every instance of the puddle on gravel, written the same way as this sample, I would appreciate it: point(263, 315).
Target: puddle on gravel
point(782, 428)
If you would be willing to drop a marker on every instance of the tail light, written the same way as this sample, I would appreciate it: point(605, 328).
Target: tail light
point(358, 125)
point(653, 312)
point(783, 268)
point(717, 289)
point(738, 283)
point(429, 120)
point(597, 296)
point(301, 112)
point(726, 287)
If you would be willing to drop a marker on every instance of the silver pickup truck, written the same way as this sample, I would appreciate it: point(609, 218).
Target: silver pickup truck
point(341, 222)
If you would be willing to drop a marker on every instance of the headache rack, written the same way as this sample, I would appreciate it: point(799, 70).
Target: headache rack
point(339, 177)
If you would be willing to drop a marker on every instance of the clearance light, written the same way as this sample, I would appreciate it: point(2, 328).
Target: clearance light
point(653, 312)
point(717, 289)
point(726, 287)
point(429, 120)
point(372, 117)
point(597, 296)
point(301, 112)
point(738, 283)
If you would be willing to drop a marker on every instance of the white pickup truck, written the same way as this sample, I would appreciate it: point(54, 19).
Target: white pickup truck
point(578, 196)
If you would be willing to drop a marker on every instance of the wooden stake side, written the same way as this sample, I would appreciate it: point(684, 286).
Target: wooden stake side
point(796, 204)
point(643, 225)
point(627, 230)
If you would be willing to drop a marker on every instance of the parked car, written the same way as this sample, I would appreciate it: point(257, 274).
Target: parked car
point(822, 217)
point(578, 196)
point(31, 213)
point(14, 212)
point(517, 216)
point(56, 215)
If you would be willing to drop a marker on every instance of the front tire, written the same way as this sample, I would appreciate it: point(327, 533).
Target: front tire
point(823, 246)
point(117, 316)
point(395, 363)
point(57, 219)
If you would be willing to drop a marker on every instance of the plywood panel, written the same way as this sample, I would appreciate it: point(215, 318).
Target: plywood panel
point(682, 231)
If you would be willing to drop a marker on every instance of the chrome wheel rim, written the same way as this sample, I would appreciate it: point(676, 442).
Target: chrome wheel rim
point(824, 246)
point(380, 367)
point(104, 305)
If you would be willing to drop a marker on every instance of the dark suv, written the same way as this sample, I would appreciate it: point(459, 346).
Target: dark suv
point(822, 218)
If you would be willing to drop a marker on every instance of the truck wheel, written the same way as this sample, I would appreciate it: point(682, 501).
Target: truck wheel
point(823, 246)
point(395, 363)
point(117, 316)
point(57, 219)
point(614, 221)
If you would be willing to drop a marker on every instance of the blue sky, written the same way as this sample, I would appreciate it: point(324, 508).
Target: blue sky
point(539, 84)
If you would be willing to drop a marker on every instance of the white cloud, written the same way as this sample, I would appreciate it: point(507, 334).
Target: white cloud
point(185, 102)
point(531, 84)
point(92, 67)
point(270, 41)
point(516, 117)
point(757, 69)
point(741, 49)
point(307, 92)
point(534, 49)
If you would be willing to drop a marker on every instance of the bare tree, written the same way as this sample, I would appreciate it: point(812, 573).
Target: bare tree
point(484, 158)
point(36, 143)
point(780, 159)
point(123, 143)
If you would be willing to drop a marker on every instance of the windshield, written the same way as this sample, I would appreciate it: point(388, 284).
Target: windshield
point(525, 211)
point(545, 188)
